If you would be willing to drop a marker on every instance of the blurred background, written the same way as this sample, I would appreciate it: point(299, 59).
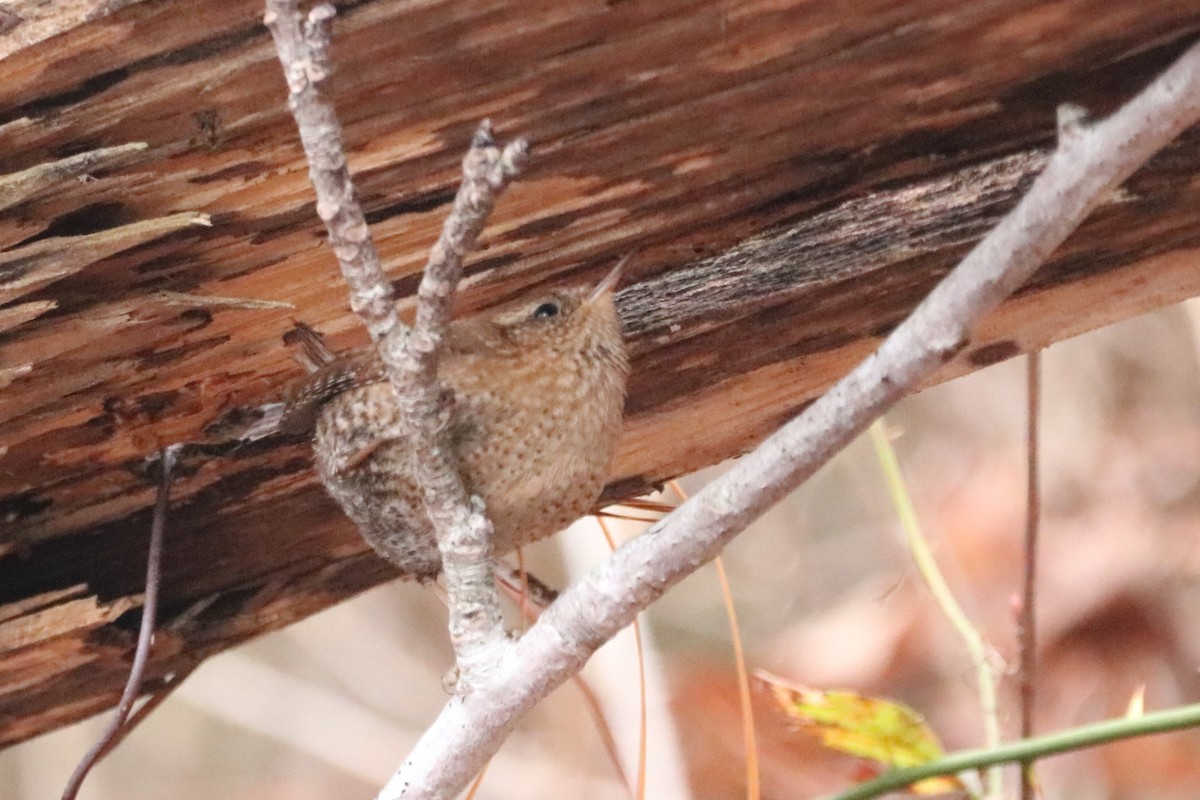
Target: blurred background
point(827, 596)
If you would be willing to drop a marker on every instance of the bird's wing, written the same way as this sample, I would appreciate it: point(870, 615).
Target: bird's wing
point(306, 399)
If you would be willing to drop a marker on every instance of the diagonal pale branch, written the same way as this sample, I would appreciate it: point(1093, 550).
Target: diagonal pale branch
point(409, 357)
point(1088, 163)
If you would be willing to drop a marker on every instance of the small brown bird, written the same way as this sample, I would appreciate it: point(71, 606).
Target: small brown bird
point(538, 387)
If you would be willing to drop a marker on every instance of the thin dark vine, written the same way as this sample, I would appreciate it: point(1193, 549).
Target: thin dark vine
point(121, 723)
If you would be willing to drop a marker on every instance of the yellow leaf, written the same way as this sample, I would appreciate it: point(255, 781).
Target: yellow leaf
point(874, 728)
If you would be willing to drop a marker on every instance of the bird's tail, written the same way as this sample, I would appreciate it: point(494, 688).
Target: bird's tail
point(267, 424)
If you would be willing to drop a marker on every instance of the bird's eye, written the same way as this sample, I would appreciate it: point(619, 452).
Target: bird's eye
point(546, 311)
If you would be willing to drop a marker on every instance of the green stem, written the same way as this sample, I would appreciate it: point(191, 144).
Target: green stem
point(942, 595)
point(1029, 749)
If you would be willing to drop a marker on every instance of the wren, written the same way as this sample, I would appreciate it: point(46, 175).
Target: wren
point(538, 391)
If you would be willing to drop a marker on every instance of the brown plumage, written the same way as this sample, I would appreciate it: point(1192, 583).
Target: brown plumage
point(538, 388)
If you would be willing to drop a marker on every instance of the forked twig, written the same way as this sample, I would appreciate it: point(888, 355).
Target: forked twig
point(410, 357)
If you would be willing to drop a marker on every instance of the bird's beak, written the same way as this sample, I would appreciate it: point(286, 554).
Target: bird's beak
point(609, 283)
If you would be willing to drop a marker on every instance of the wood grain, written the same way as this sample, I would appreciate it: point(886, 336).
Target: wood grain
point(796, 174)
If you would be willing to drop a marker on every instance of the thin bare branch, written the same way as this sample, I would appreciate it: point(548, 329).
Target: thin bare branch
point(147, 708)
point(1088, 163)
point(303, 48)
point(973, 642)
point(463, 531)
point(525, 589)
point(1027, 619)
point(141, 654)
